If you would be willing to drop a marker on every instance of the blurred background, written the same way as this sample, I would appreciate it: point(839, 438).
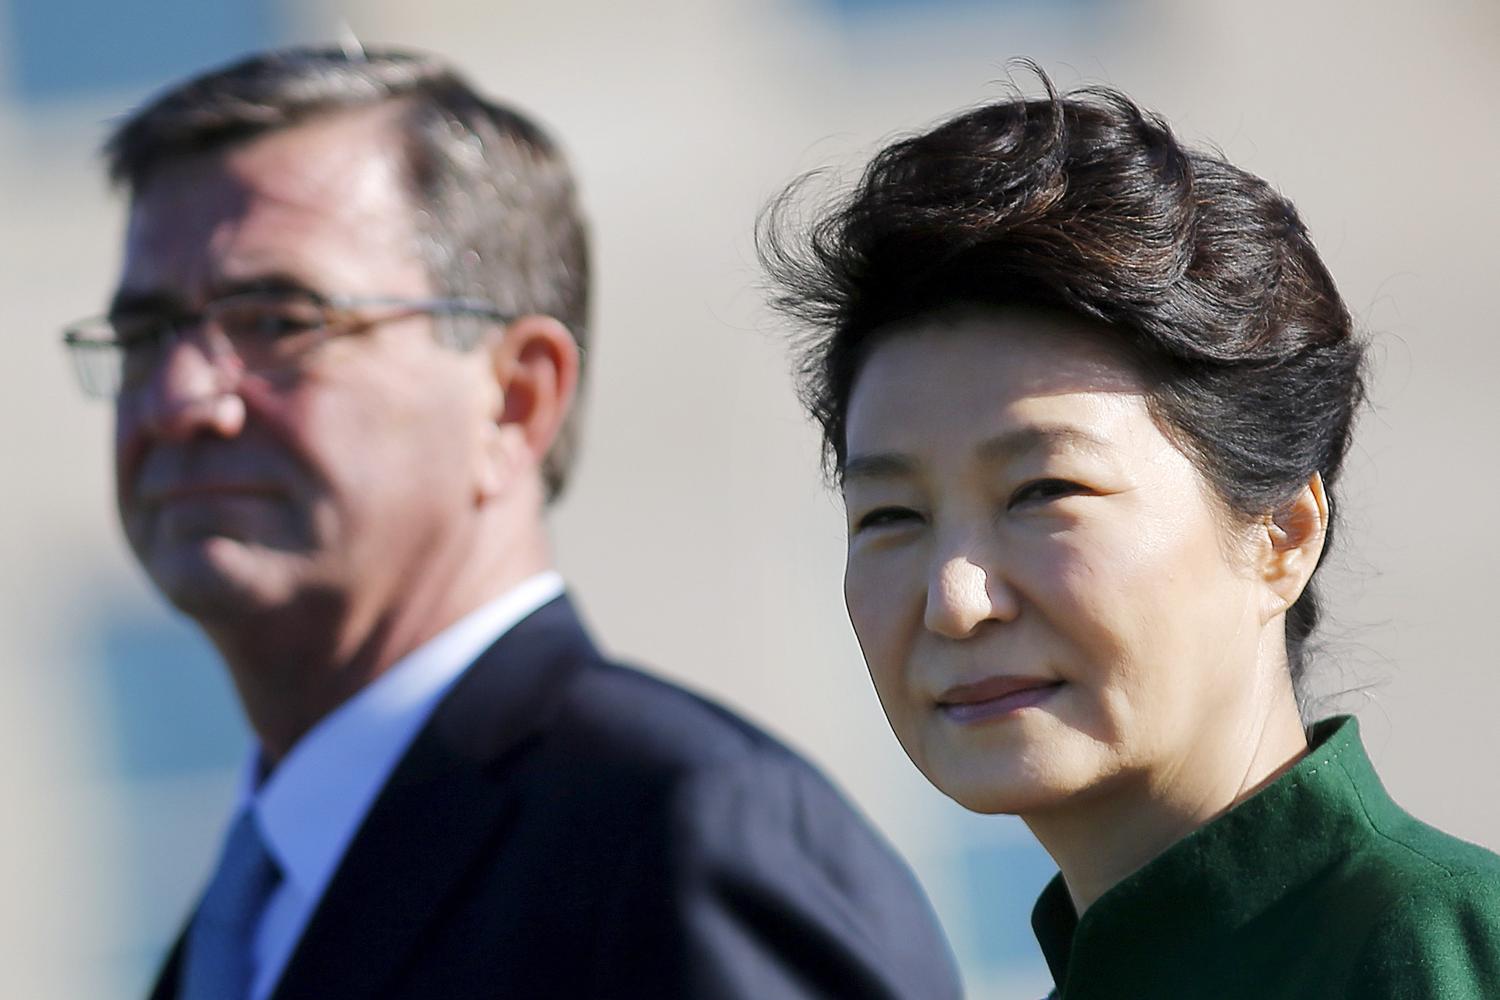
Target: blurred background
point(697, 532)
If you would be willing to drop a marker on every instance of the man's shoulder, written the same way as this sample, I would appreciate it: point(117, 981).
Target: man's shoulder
point(546, 685)
point(635, 717)
point(546, 708)
point(670, 847)
point(618, 749)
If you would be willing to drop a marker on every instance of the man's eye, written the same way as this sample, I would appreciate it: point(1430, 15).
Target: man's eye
point(882, 517)
point(1042, 490)
point(269, 322)
point(139, 356)
point(133, 333)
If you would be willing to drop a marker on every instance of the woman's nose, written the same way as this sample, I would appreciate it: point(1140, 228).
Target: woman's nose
point(963, 593)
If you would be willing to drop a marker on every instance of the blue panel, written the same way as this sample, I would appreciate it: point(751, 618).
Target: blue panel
point(160, 699)
point(156, 703)
point(1001, 881)
point(74, 48)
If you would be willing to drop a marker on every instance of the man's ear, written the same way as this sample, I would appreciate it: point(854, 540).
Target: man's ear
point(535, 366)
point(1295, 533)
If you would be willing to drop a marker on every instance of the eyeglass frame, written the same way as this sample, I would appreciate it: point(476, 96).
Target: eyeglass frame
point(338, 318)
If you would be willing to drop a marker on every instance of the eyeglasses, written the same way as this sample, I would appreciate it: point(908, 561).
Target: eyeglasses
point(254, 332)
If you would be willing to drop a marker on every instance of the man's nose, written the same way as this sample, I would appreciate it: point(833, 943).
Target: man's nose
point(963, 592)
point(191, 392)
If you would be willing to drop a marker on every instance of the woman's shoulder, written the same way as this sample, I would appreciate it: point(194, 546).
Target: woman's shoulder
point(1410, 911)
point(1423, 860)
point(1387, 853)
point(1391, 846)
point(1427, 902)
point(1433, 905)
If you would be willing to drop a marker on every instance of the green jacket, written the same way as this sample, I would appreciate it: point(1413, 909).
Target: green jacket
point(1318, 886)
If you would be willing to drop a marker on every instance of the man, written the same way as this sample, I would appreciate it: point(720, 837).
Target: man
point(344, 350)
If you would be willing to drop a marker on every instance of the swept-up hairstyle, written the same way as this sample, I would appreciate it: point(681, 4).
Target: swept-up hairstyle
point(1087, 203)
point(493, 199)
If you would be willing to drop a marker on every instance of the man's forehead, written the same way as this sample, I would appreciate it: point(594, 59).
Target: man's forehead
point(344, 160)
point(331, 192)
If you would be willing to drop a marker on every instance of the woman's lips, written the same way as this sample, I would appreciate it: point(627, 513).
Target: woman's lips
point(995, 697)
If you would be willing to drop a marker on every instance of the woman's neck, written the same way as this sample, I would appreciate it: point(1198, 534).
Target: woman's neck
point(1100, 837)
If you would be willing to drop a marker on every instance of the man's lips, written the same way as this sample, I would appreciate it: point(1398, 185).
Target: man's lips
point(160, 496)
point(203, 497)
point(995, 696)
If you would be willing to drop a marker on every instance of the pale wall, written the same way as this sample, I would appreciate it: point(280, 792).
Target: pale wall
point(697, 532)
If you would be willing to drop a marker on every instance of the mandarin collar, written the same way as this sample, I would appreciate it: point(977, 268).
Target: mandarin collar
point(1219, 879)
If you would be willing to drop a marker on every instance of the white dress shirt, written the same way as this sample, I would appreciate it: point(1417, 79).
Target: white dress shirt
point(313, 802)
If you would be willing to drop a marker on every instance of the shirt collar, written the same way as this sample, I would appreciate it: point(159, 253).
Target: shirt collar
point(1223, 875)
point(317, 797)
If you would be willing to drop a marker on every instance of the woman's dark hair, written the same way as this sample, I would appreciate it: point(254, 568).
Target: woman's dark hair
point(1087, 203)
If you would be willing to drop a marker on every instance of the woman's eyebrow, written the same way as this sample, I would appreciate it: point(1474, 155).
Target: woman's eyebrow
point(877, 465)
point(1006, 446)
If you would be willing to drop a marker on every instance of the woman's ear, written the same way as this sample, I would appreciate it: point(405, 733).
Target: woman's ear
point(535, 364)
point(1295, 533)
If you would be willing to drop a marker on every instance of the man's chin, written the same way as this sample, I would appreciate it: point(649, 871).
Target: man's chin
point(222, 579)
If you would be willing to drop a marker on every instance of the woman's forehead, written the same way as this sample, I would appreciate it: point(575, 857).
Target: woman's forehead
point(982, 364)
point(921, 407)
point(1031, 351)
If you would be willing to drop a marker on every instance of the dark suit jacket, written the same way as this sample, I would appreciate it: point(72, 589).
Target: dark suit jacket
point(564, 827)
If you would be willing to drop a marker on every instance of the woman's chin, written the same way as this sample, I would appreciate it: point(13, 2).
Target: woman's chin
point(1014, 781)
point(993, 798)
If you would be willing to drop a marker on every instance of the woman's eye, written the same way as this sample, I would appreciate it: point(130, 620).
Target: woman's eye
point(887, 516)
point(1042, 490)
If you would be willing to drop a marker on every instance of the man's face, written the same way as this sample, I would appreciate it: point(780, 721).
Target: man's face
point(242, 494)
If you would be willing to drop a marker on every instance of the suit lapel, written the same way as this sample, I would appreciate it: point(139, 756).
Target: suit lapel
point(171, 970)
point(446, 799)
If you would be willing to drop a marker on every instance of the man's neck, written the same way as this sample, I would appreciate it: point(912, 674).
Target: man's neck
point(294, 666)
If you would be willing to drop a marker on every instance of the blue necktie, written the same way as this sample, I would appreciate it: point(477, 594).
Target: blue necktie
point(219, 963)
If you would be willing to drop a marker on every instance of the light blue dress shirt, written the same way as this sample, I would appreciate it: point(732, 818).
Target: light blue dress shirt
point(313, 802)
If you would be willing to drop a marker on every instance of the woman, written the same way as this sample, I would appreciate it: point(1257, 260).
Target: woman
point(1088, 395)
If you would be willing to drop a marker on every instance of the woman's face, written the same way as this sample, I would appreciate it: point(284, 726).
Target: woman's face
point(1050, 599)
